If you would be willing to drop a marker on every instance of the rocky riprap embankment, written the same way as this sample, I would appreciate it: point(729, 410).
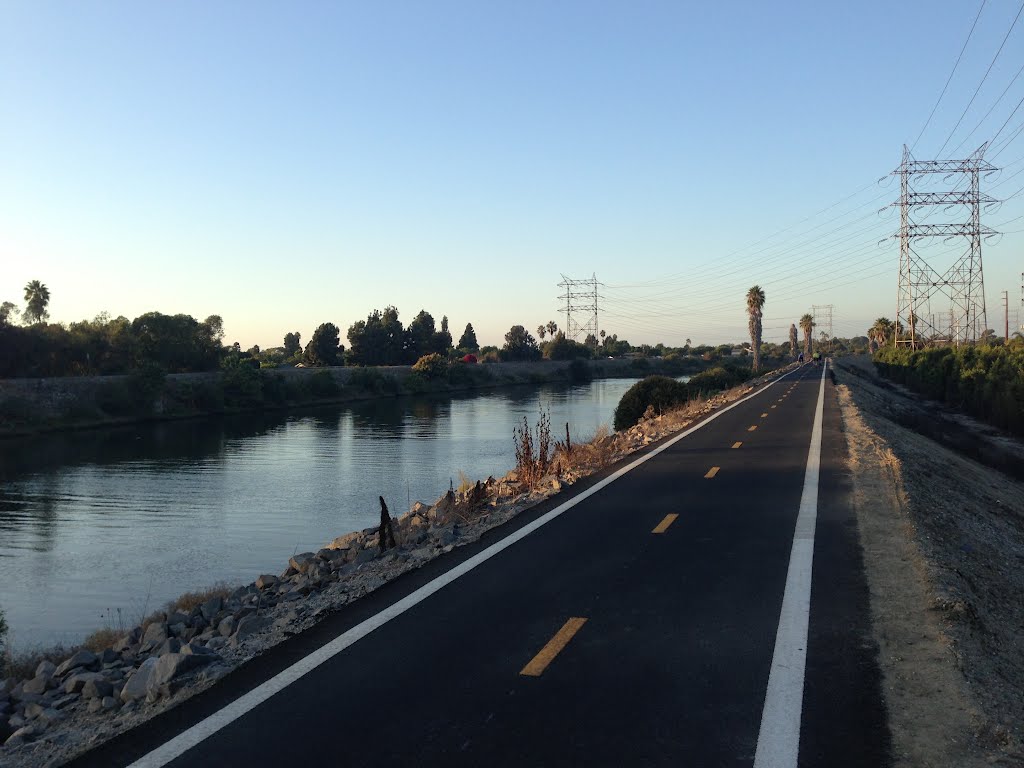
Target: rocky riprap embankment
point(90, 697)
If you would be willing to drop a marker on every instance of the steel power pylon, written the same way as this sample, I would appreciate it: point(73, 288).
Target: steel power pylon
point(581, 297)
point(962, 281)
point(822, 314)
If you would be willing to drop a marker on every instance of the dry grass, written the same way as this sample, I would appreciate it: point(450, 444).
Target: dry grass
point(104, 638)
point(465, 484)
point(186, 602)
point(21, 665)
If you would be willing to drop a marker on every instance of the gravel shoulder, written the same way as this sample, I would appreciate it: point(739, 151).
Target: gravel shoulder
point(943, 541)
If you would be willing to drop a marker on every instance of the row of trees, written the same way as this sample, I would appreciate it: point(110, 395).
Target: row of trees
point(755, 312)
point(985, 380)
point(174, 343)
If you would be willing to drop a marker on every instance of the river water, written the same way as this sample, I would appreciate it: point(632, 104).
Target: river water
point(101, 527)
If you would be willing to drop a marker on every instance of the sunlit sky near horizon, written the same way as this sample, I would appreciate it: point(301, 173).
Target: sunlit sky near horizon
point(284, 165)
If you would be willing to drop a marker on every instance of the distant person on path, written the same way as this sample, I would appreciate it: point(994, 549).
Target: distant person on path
point(801, 358)
point(817, 358)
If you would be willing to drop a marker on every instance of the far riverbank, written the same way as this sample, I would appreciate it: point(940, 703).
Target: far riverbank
point(33, 406)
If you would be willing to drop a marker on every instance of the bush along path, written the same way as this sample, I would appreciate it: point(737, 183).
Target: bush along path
point(64, 709)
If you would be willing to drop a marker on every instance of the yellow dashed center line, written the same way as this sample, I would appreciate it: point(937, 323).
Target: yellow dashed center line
point(751, 429)
point(764, 415)
point(774, 407)
point(664, 524)
point(712, 472)
point(555, 645)
point(737, 444)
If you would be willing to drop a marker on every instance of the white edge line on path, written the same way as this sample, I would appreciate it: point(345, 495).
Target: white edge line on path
point(778, 743)
point(205, 728)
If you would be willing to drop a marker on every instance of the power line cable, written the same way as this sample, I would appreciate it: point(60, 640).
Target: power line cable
point(950, 78)
point(994, 104)
point(984, 77)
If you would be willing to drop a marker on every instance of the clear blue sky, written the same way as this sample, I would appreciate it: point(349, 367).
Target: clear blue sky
point(287, 164)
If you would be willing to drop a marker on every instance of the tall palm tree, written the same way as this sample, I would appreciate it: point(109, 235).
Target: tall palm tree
point(880, 331)
point(541, 330)
point(37, 297)
point(755, 308)
point(792, 340)
point(552, 327)
point(807, 325)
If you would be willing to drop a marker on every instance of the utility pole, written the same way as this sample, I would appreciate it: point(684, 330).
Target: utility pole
point(580, 296)
point(1006, 315)
point(962, 282)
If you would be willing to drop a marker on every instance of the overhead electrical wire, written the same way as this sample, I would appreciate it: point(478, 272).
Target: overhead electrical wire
point(983, 79)
point(994, 104)
point(950, 78)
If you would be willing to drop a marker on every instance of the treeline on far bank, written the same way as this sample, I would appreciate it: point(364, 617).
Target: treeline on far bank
point(985, 380)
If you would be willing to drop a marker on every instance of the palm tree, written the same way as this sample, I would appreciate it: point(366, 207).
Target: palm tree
point(880, 331)
point(552, 327)
point(792, 340)
point(541, 330)
point(755, 307)
point(807, 325)
point(37, 296)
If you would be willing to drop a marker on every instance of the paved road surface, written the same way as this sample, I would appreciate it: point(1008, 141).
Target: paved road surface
point(636, 627)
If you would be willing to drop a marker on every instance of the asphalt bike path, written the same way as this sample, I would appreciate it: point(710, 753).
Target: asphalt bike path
point(636, 628)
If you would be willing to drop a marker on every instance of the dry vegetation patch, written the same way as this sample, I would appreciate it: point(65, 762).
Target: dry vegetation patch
point(943, 540)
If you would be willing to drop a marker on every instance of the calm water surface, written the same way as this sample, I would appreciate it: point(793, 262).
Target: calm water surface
point(102, 521)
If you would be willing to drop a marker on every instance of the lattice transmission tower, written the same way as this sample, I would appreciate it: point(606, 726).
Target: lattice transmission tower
point(822, 314)
point(580, 297)
point(959, 279)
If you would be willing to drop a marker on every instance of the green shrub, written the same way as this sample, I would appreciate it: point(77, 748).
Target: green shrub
point(432, 366)
point(718, 378)
point(242, 385)
point(661, 392)
point(986, 381)
point(373, 381)
point(275, 390)
point(144, 386)
point(323, 386)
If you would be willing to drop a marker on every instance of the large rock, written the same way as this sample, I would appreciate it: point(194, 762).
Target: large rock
point(171, 645)
point(50, 716)
point(302, 562)
point(211, 608)
point(65, 701)
point(46, 668)
point(76, 682)
point(24, 734)
point(265, 581)
point(82, 658)
point(97, 689)
point(197, 649)
point(138, 684)
point(347, 541)
point(227, 626)
point(155, 635)
point(37, 684)
point(171, 666)
point(331, 555)
point(364, 556)
point(248, 626)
